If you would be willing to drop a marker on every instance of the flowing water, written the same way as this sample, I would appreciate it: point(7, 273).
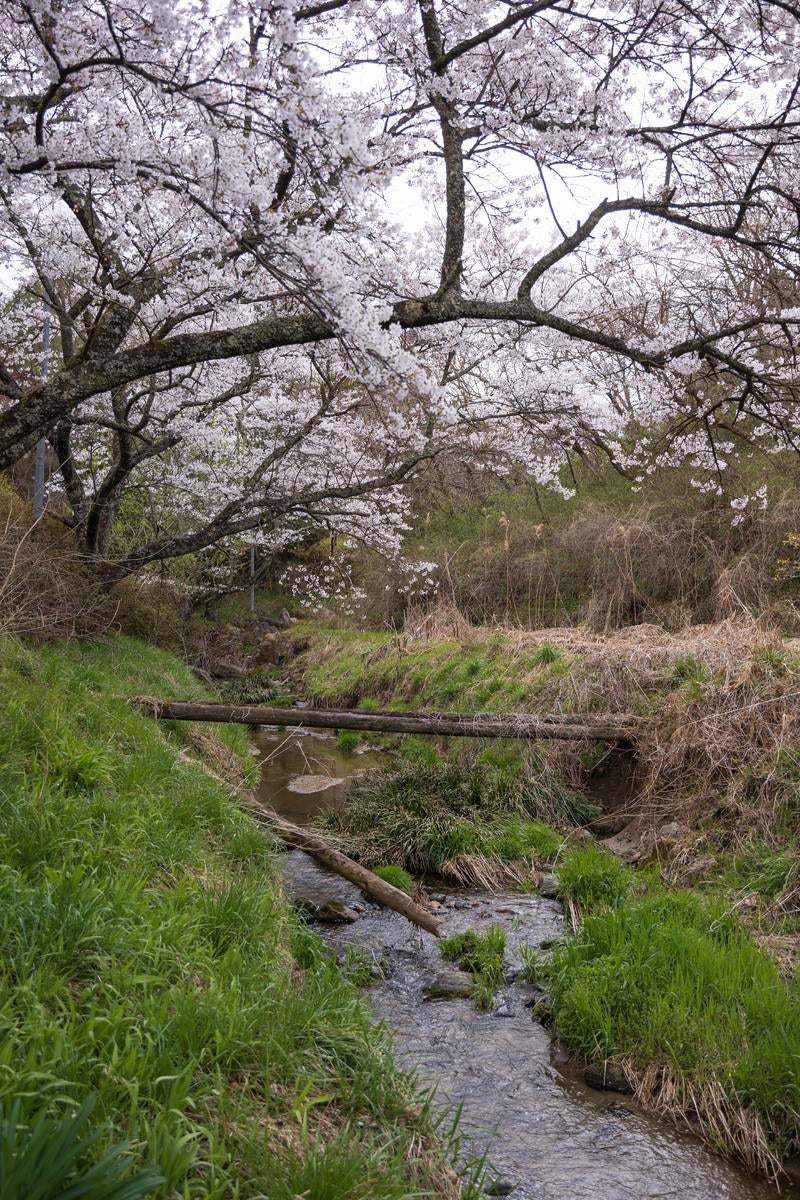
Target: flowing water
point(545, 1132)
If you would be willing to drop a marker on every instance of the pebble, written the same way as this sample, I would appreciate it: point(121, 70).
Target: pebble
point(500, 1187)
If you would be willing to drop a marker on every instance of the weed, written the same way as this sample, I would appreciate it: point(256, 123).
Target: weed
point(482, 954)
point(545, 655)
point(396, 876)
point(420, 750)
point(347, 740)
point(593, 878)
point(535, 969)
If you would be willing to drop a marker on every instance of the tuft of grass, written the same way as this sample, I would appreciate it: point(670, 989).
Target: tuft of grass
point(760, 869)
point(347, 740)
point(593, 878)
point(396, 876)
point(482, 954)
point(524, 839)
point(420, 750)
point(545, 655)
point(49, 1158)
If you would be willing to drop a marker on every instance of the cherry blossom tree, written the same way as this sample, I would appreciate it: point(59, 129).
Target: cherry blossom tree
point(292, 249)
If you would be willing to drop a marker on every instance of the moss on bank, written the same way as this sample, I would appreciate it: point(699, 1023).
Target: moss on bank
point(148, 960)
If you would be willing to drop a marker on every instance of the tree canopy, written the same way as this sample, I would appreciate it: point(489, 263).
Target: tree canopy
point(292, 249)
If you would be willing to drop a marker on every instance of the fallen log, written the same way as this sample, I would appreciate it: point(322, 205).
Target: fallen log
point(304, 840)
point(615, 728)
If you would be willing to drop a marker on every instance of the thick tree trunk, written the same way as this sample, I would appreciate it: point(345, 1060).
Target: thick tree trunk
point(611, 728)
point(304, 840)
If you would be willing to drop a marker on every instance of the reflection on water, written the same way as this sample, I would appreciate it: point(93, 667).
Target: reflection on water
point(289, 759)
point(546, 1132)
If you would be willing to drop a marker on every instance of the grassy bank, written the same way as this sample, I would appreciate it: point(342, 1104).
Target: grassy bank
point(722, 720)
point(152, 979)
point(671, 987)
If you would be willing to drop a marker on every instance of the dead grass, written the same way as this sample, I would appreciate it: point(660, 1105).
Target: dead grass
point(706, 1110)
point(45, 589)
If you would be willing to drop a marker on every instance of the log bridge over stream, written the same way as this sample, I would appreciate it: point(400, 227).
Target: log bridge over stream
point(618, 727)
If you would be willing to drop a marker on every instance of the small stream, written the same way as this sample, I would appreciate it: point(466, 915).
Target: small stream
point(545, 1132)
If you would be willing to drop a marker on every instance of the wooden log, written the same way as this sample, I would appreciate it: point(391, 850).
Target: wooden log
point(488, 725)
point(310, 843)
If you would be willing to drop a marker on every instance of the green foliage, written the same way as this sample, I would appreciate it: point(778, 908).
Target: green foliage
point(534, 967)
point(396, 876)
point(688, 673)
point(760, 869)
point(482, 954)
point(147, 959)
point(593, 877)
point(664, 979)
point(426, 817)
point(347, 740)
point(545, 655)
point(46, 1158)
point(524, 839)
point(420, 750)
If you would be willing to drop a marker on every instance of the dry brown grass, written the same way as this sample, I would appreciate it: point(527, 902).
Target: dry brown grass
point(708, 1112)
point(728, 740)
point(45, 589)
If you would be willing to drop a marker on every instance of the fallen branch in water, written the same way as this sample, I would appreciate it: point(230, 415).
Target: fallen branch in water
point(311, 844)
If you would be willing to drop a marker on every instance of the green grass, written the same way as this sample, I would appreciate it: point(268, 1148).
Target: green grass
point(371, 669)
point(347, 740)
point(593, 878)
point(482, 954)
point(763, 870)
point(434, 818)
point(150, 969)
point(396, 876)
point(665, 979)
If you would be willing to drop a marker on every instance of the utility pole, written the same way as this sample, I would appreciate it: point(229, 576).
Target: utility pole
point(252, 579)
point(41, 445)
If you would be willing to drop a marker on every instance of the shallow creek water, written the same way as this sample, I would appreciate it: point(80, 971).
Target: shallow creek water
point(545, 1131)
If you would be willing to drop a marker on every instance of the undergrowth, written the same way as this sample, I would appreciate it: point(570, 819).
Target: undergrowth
point(149, 966)
point(466, 821)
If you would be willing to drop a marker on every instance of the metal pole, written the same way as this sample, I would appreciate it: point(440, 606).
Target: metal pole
point(41, 445)
point(252, 576)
